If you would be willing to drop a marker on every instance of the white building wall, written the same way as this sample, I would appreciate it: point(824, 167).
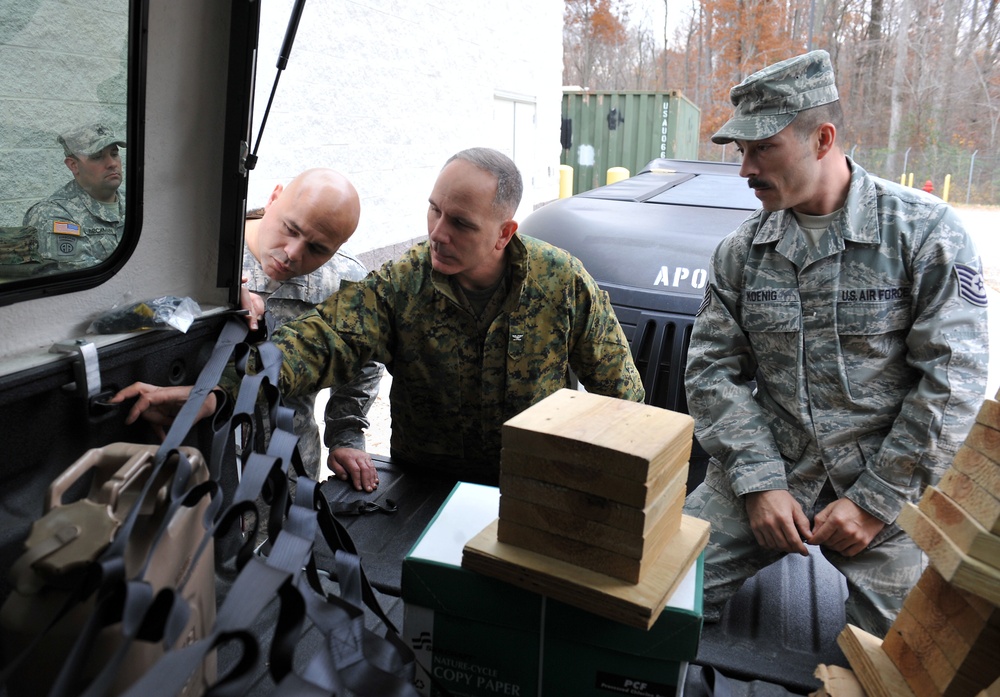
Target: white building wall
point(386, 90)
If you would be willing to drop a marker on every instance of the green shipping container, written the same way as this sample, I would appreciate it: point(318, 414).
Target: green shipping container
point(625, 129)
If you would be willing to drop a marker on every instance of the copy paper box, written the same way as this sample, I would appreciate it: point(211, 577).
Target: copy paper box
point(476, 636)
point(480, 636)
point(586, 655)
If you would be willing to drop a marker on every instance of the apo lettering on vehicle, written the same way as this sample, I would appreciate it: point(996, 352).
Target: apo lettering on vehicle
point(868, 295)
point(681, 276)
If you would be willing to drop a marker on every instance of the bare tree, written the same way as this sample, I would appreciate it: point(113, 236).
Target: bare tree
point(920, 75)
point(898, 95)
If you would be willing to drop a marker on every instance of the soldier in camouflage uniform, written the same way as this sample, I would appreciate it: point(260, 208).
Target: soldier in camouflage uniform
point(475, 325)
point(297, 236)
point(838, 359)
point(81, 224)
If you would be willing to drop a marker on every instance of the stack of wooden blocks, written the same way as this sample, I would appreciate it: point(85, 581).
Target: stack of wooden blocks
point(594, 481)
point(946, 640)
point(591, 492)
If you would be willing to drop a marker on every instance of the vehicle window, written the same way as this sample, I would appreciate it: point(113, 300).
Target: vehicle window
point(63, 140)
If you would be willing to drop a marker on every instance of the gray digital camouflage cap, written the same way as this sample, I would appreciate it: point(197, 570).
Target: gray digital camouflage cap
point(89, 139)
point(768, 100)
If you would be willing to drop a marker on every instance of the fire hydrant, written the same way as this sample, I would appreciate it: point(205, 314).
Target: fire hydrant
point(929, 186)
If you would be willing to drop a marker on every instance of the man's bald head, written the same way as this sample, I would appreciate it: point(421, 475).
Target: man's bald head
point(305, 223)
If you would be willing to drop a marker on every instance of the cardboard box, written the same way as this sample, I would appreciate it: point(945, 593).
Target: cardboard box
point(480, 637)
point(474, 635)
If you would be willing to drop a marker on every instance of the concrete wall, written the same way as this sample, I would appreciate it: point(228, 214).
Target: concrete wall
point(386, 90)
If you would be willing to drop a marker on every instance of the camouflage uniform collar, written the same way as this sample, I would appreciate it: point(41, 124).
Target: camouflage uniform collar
point(109, 212)
point(517, 263)
point(856, 223)
point(517, 269)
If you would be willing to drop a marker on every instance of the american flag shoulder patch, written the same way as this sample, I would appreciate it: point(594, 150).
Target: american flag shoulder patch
point(62, 227)
point(971, 286)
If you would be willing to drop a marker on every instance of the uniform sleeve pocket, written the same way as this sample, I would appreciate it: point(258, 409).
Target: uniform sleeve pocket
point(350, 306)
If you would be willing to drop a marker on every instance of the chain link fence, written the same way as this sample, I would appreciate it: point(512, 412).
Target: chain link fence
point(974, 175)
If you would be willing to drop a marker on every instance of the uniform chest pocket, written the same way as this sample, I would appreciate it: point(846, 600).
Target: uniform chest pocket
point(771, 317)
point(873, 346)
point(870, 319)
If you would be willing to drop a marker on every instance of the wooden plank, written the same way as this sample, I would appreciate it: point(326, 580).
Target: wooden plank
point(979, 468)
point(582, 554)
point(595, 507)
point(969, 614)
point(631, 439)
point(974, 657)
point(954, 645)
point(637, 605)
point(985, 440)
point(946, 677)
point(954, 566)
point(976, 500)
point(989, 413)
point(838, 681)
point(909, 666)
point(873, 668)
point(600, 482)
point(963, 530)
point(582, 529)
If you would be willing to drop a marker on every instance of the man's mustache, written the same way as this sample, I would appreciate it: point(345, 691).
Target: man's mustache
point(755, 183)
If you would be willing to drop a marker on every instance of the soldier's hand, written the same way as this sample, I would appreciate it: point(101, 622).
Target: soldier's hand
point(778, 521)
point(354, 465)
point(845, 527)
point(253, 304)
point(159, 405)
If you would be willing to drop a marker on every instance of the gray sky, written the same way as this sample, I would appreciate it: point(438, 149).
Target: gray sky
point(650, 13)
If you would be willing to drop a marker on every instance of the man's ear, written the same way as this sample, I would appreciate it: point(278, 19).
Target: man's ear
point(826, 136)
point(72, 164)
point(507, 230)
point(274, 196)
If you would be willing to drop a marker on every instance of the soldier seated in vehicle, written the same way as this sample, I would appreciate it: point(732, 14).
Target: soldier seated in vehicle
point(81, 224)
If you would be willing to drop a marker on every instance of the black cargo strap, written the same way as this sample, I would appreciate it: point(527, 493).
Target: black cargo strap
point(362, 507)
point(106, 575)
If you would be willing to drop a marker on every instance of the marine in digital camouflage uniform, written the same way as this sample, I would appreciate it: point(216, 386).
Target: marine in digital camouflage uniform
point(81, 224)
point(347, 407)
point(463, 359)
point(864, 328)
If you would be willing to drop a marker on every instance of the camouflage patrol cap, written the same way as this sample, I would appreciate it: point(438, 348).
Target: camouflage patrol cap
point(89, 139)
point(768, 100)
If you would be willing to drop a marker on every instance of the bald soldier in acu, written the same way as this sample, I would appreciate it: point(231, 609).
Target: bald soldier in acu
point(81, 224)
point(293, 260)
point(839, 357)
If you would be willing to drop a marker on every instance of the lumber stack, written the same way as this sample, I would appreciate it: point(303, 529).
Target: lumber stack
point(590, 513)
point(944, 643)
point(594, 481)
